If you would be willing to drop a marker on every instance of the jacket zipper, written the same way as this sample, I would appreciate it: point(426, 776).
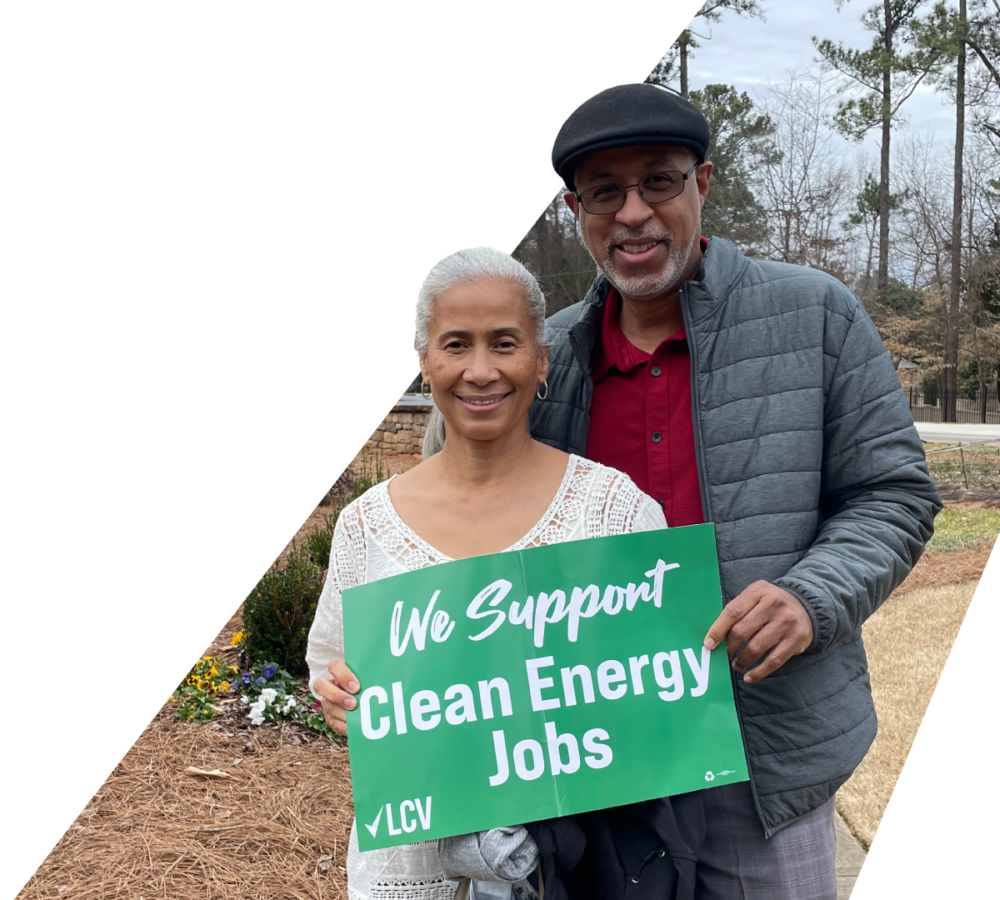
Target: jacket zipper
point(707, 511)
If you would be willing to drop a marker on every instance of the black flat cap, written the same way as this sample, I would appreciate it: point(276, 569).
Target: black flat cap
point(628, 115)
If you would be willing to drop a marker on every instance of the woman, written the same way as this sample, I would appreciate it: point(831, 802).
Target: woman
point(481, 341)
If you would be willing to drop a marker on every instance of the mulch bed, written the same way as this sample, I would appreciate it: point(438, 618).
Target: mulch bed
point(960, 496)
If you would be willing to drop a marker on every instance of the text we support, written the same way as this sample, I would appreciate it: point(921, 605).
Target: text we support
point(534, 614)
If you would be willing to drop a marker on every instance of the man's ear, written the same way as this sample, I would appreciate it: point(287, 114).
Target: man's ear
point(703, 174)
point(570, 198)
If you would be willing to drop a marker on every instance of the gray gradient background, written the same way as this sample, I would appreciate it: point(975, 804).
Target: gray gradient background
point(312, 148)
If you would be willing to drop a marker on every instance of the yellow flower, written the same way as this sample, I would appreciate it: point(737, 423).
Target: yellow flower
point(237, 638)
point(235, 668)
point(225, 685)
point(213, 671)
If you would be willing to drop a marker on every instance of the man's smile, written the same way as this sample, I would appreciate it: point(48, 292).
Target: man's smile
point(637, 251)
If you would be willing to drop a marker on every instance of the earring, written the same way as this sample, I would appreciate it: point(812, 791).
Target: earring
point(538, 390)
point(425, 390)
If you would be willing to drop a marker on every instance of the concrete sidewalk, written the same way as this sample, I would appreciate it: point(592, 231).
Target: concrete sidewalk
point(954, 432)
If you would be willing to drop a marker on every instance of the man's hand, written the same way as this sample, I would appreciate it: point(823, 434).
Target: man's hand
point(765, 618)
point(335, 695)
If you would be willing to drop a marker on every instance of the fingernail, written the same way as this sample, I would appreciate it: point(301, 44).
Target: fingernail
point(710, 643)
point(353, 685)
point(748, 678)
point(350, 703)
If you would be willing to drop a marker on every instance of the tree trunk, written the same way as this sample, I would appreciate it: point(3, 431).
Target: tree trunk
point(954, 309)
point(882, 285)
point(684, 69)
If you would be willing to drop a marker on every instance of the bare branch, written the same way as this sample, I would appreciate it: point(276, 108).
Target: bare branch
point(985, 59)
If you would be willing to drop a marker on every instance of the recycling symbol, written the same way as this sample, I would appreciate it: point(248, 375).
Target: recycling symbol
point(709, 776)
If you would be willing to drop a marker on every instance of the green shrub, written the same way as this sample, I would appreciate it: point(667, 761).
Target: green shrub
point(279, 611)
point(318, 542)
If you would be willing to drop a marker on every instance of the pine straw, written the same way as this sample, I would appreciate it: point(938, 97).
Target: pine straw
point(938, 567)
point(153, 832)
point(907, 641)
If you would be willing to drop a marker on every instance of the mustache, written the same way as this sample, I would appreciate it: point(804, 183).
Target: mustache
point(630, 235)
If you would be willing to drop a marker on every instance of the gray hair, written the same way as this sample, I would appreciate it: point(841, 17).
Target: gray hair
point(470, 265)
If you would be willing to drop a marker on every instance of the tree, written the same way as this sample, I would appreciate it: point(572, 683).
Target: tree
point(982, 271)
point(553, 252)
point(675, 61)
point(864, 214)
point(887, 77)
point(804, 190)
point(944, 37)
point(741, 143)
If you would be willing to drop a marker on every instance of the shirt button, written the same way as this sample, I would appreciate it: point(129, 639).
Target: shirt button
point(657, 437)
point(655, 371)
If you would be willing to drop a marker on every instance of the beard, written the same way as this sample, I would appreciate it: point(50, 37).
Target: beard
point(647, 285)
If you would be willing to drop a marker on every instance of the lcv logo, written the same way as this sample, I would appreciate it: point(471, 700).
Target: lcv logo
point(407, 823)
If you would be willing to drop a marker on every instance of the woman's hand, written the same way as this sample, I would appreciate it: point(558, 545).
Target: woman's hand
point(335, 695)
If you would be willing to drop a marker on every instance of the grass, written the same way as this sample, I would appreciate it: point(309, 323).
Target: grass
point(982, 467)
point(959, 528)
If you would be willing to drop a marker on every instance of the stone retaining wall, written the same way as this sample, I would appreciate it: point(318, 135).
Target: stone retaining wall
point(402, 431)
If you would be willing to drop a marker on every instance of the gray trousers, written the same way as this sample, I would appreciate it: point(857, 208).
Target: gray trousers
point(799, 862)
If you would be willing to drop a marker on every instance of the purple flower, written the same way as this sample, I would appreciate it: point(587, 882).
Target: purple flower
point(269, 671)
point(247, 678)
point(261, 681)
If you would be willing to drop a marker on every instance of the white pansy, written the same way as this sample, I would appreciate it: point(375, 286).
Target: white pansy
point(290, 704)
point(256, 716)
point(268, 695)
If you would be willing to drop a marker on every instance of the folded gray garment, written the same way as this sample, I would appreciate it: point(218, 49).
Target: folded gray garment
point(504, 854)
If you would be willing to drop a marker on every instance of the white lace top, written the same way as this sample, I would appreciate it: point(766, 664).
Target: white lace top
point(370, 542)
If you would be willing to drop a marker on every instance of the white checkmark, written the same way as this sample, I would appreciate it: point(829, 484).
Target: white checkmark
point(373, 828)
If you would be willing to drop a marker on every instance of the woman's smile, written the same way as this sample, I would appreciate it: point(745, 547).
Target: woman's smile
point(481, 403)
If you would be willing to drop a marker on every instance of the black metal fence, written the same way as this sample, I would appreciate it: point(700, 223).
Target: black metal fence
point(954, 406)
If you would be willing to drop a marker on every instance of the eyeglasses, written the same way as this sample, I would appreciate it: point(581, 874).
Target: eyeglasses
point(659, 187)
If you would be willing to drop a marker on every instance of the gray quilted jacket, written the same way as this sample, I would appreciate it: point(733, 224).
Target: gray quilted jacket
point(814, 476)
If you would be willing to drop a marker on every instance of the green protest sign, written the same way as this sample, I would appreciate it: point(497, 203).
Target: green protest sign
point(520, 686)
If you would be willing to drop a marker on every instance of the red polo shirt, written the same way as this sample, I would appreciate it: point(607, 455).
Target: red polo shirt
point(640, 418)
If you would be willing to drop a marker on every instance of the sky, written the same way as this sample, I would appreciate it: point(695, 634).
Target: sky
point(747, 53)
point(267, 137)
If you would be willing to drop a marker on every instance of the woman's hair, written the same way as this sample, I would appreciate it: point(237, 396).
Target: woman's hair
point(471, 265)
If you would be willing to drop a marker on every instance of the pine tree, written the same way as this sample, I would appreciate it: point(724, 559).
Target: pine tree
point(675, 61)
point(944, 39)
point(887, 76)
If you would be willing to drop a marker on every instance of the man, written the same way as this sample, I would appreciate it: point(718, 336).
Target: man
point(757, 396)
